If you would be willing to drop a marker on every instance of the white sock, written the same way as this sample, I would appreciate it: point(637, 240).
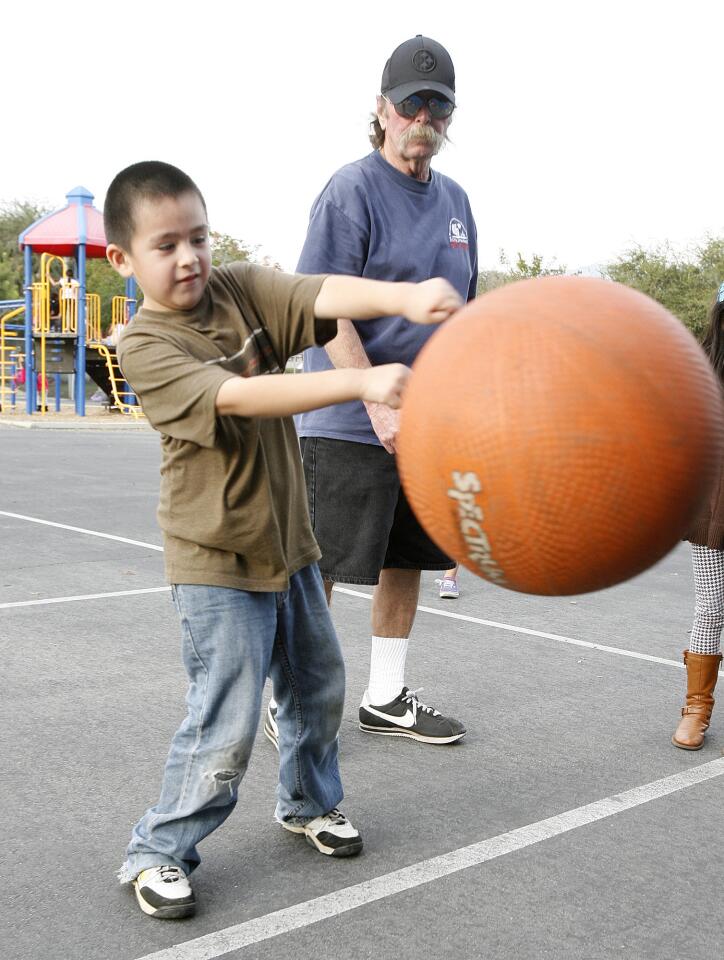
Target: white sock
point(387, 668)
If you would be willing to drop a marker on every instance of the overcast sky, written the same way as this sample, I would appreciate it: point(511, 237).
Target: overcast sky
point(582, 127)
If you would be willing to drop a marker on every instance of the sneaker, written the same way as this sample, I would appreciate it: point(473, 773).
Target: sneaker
point(406, 716)
point(271, 730)
point(448, 588)
point(165, 892)
point(332, 833)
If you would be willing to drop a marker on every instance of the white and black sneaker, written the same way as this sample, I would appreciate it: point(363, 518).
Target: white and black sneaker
point(165, 892)
point(271, 730)
point(406, 716)
point(332, 833)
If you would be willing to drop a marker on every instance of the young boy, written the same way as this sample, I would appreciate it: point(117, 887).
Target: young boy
point(238, 546)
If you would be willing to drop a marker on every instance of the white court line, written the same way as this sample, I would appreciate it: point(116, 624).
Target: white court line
point(91, 533)
point(349, 898)
point(84, 596)
point(531, 633)
point(358, 593)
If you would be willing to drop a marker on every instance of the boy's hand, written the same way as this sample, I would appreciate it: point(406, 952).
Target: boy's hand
point(385, 384)
point(432, 301)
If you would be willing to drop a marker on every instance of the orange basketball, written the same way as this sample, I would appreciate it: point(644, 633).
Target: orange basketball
point(558, 434)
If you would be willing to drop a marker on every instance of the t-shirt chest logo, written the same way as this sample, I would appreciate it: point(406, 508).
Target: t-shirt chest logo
point(458, 233)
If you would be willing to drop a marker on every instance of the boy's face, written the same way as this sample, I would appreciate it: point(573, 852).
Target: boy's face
point(170, 255)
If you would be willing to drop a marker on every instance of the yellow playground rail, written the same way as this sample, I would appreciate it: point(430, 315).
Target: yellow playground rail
point(41, 306)
point(66, 322)
point(119, 311)
point(92, 316)
point(11, 359)
point(120, 315)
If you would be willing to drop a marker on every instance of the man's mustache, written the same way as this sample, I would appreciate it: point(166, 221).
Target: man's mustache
point(425, 133)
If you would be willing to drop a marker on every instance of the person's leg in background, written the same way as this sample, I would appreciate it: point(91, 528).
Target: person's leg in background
point(448, 584)
point(703, 657)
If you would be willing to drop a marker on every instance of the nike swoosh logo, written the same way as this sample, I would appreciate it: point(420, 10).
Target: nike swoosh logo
point(406, 721)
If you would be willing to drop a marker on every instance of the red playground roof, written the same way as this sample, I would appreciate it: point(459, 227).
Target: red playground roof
point(62, 231)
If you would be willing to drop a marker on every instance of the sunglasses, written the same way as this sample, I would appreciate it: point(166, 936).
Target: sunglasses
point(440, 107)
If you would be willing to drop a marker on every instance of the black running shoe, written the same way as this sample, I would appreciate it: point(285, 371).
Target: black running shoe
point(406, 716)
point(331, 833)
point(165, 893)
point(271, 730)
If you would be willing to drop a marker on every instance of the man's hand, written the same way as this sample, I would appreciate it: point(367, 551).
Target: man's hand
point(386, 424)
point(431, 301)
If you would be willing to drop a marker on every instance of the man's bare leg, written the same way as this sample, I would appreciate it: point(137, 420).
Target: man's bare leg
point(394, 604)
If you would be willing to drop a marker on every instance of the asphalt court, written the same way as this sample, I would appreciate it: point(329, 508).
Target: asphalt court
point(460, 856)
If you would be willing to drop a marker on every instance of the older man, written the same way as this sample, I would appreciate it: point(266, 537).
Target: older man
point(388, 217)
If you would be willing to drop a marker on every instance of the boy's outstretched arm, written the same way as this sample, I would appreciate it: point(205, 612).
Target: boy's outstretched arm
point(358, 298)
point(282, 396)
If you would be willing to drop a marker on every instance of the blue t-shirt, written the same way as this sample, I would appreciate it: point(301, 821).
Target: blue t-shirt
point(371, 220)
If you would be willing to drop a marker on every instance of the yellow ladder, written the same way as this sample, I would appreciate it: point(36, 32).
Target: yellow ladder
point(122, 398)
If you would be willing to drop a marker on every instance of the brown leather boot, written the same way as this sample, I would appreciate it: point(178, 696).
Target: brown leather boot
point(701, 675)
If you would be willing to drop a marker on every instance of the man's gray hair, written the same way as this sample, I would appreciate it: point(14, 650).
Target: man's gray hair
point(376, 134)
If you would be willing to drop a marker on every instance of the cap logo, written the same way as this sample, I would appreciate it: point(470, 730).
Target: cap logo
point(424, 61)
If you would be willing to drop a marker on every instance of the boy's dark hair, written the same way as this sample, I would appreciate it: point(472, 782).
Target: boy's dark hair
point(713, 342)
point(148, 180)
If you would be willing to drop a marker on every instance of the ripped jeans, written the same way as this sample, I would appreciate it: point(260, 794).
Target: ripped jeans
point(233, 640)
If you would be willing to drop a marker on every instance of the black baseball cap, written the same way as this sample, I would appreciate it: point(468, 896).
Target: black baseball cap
point(418, 64)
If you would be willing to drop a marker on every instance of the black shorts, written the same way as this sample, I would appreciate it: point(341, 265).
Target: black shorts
point(360, 515)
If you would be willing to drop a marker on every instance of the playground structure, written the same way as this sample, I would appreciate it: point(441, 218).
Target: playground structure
point(57, 329)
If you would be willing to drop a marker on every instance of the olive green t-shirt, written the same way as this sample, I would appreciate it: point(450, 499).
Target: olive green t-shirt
point(233, 506)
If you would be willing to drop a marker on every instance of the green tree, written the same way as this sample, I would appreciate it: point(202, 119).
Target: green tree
point(102, 279)
point(14, 218)
point(8, 278)
point(523, 270)
point(226, 249)
point(490, 279)
point(685, 283)
point(520, 270)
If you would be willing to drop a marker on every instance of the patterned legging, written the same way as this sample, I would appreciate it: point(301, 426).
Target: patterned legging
point(709, 610)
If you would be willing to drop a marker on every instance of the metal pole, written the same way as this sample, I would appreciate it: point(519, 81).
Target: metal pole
point(29, 361)
point(131, 293)
point(80, 350)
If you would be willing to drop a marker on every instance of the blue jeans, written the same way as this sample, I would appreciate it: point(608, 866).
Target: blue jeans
point(233, 640)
